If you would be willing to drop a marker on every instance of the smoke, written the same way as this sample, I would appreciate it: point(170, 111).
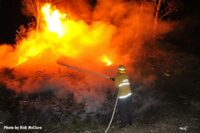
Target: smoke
point(117, 28)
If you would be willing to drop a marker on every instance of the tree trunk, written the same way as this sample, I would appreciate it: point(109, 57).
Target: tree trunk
point(38, 15)
point(156, 16)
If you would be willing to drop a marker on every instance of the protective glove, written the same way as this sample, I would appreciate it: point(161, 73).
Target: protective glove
point(111, 78)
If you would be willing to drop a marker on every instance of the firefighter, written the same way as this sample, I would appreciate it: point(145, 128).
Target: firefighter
point(122, 83)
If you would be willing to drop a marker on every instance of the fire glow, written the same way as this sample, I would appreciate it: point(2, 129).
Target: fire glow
point(64, 36)
point(98, 40)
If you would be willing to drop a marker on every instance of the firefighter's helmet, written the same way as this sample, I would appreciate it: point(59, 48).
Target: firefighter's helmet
point(121, 69)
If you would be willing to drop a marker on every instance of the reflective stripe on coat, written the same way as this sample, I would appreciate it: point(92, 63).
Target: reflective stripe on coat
point(123, 84)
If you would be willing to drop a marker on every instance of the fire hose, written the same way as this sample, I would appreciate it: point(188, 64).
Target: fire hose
point(83, 70)
point(112, 114)
point(95, 74)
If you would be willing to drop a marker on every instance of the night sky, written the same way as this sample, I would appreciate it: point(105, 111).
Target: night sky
point(11, 19)
point(185, 36)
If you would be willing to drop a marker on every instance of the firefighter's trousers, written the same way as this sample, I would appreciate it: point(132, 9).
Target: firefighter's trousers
point(125, 110)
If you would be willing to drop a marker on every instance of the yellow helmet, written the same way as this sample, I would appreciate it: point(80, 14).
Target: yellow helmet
point(121, 69)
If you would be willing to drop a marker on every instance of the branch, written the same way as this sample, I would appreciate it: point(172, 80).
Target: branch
point(168, 12)
point(32, 5)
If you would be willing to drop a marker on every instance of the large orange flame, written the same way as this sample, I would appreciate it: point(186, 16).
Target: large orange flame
point(64, 37)
point(94, 38)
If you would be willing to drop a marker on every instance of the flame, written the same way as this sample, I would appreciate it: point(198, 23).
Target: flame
point(63, 36)
point(82, 34)
point(30, 53)
point(106, 60)
point(53, 19)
